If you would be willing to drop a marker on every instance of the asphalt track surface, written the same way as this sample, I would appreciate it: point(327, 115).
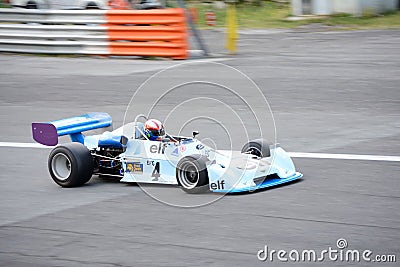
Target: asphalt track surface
point(330, 92)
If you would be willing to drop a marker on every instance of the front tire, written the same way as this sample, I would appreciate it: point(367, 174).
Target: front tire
point(257, 147)
point(191, 174)
point(70, 165)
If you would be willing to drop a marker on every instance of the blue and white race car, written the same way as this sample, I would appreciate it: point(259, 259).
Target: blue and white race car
point(127, 153)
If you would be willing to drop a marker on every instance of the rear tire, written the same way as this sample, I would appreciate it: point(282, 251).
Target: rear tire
point(257, 147)
point(191, 174)
point(70, 165)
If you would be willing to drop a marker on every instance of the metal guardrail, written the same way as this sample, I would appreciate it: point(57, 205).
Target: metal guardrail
point(54, 47)
point(52, 16)
point(53, 31)
point(114, 32)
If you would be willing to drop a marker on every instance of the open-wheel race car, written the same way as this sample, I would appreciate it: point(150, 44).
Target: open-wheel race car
point(128, 153)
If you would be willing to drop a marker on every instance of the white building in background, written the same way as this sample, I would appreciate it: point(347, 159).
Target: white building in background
point(328, 7)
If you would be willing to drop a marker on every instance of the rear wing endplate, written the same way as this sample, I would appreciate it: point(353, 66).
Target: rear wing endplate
point(48, 133)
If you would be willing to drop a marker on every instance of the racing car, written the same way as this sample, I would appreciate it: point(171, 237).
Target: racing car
point(128, 154)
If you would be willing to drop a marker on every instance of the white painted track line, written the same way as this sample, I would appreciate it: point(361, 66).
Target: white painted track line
point(23, 145)
point(343, 156)
point(292, 154)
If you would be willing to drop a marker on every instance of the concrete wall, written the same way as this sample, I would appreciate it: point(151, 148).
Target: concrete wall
point(379, 6)
point(355, 7)
point(322, 7)
point(296, 7)
point(347, 6)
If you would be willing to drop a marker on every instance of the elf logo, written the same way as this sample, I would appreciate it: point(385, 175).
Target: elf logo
point(199, 147)
point(219, 185)
point(160, 149)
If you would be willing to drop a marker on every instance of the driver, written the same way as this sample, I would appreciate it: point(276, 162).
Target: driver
point(154, 130)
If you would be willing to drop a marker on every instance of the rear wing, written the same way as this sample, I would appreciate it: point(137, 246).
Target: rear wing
point(48, 133)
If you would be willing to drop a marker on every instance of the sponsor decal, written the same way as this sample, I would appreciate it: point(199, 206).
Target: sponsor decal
point(187, 141)
point(183, 148)
point(199, 146)
point(219, 185)
point(134, 167)
point(175, 152)
point(157, 149)
point(150, 162)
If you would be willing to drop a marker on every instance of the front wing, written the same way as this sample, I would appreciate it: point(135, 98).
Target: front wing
point(268, 182)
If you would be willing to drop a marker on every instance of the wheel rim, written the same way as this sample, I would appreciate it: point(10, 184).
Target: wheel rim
point(254, 151)
point(61, 166)
point(188, 175)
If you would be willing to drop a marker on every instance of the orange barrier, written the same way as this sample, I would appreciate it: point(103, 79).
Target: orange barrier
point(210, 18)
point(155, 32)
point(194, 14)
point(145, 33)
point(156, 49)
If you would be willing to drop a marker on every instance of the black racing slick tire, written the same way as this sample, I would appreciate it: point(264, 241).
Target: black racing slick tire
point(70, 165)
point(192, 175)
point(257, 147)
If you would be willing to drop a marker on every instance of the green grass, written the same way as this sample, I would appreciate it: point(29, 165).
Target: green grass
point(271, 15)
point(368, 21)
point(3, 4)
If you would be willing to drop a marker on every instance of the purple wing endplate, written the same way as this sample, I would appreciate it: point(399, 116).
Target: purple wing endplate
point(45, 133)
